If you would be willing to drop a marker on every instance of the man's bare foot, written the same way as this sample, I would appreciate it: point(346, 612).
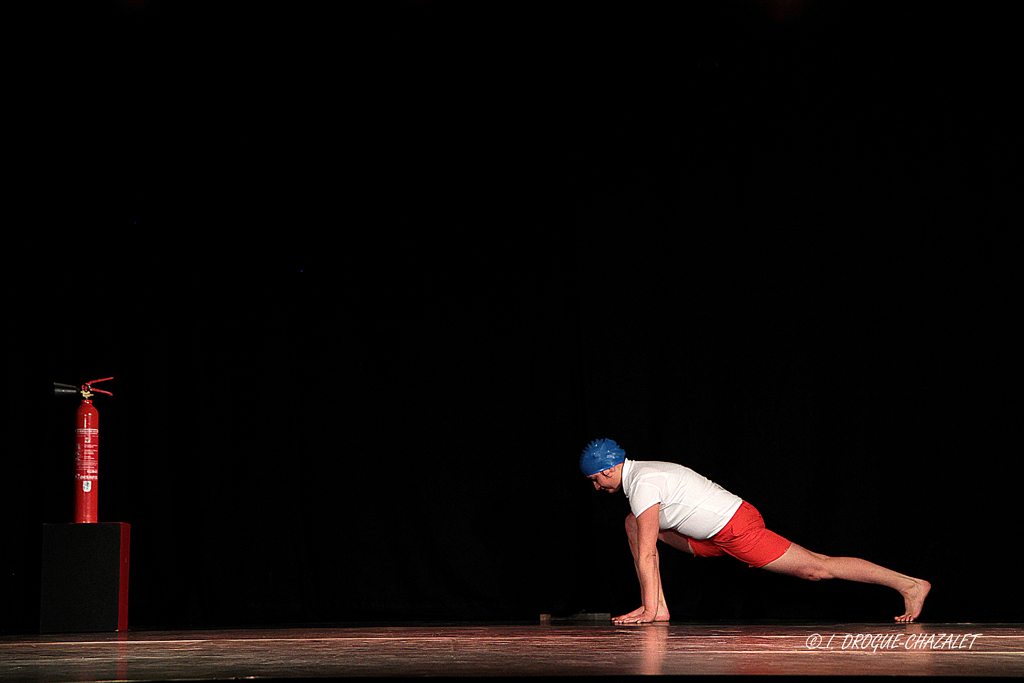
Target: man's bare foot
point(662, 615)
point(913, 598)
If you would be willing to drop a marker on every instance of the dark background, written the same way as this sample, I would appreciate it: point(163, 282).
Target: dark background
point(368, 279)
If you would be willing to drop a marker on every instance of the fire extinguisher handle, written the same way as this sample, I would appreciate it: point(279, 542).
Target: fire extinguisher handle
point(88, 386)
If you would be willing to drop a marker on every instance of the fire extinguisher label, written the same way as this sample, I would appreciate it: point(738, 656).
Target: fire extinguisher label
point(87, 457)
point(87, 446)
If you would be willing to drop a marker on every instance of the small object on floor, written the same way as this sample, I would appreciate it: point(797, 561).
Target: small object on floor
point(578, 617)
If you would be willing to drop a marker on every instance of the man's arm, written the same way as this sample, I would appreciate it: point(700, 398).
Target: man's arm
point(646, 567)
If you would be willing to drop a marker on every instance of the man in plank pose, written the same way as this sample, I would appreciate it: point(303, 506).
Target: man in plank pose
point(675, 505)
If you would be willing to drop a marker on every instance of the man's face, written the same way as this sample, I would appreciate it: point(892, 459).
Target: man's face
point(609, 480)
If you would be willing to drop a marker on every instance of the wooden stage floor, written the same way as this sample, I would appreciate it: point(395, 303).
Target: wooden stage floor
point(513, 651)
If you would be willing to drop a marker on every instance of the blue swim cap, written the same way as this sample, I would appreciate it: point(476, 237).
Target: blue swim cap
point(600, 455)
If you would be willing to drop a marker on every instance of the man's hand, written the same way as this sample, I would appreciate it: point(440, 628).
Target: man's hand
point(637, 616)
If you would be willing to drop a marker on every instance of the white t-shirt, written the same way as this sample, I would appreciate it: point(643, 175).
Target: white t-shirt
point(689, 503)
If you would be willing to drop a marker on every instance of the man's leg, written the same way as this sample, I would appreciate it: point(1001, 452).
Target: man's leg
point(800, 562)
point(676, 540)
point(631, 532)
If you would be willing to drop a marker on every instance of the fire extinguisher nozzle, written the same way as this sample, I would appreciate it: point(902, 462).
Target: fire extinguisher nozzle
point(64, 389)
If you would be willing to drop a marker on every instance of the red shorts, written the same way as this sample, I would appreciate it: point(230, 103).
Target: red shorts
point(745, 538)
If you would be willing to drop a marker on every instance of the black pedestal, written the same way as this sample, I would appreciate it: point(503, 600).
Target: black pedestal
point(84, 578)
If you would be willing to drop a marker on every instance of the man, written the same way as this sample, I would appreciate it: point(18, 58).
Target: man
point(675, 505)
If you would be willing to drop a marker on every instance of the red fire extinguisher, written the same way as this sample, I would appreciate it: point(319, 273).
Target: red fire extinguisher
point(87, 442)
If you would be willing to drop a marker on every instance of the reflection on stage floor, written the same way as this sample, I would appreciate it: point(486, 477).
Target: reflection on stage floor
point(523, 650)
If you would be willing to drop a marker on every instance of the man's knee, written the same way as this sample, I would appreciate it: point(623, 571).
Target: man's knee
point(802, 563)
point(630, 524)
point(817, 570)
